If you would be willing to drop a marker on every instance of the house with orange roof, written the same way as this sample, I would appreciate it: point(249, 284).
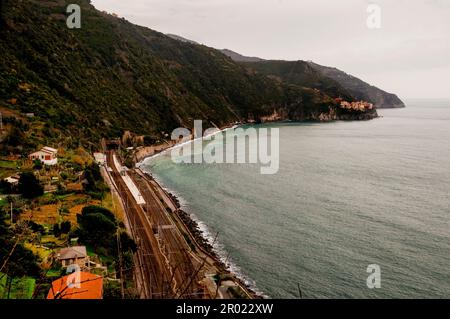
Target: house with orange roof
point(78, 285)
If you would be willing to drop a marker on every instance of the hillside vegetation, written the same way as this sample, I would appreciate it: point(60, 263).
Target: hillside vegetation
point(111, 76)
point(302, 74)
point(331, 81)
point(359, 89)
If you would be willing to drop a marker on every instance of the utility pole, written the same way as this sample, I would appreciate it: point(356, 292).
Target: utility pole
point(10, 199)
point(299, 291)
point(119, 251)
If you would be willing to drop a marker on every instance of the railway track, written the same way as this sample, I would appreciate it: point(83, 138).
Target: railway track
point(173, 244)
point(155, 278)
point(168, 269)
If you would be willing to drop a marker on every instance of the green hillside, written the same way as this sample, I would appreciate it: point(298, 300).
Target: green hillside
point(359, 89)
point(331, 81)
point(111, 76)
point(302, 74)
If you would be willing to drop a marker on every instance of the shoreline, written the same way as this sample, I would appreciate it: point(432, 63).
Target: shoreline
point(192, 224)
point(148, 152)
point(222, 260)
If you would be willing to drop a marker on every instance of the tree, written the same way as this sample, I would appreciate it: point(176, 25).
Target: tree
point(36, 227)
point(5, 187)
point(56, 230)
point(97, 227)
point(95, 185)
point(127, 243)
point(15, 137)
point(148, 140)
point(77, 159)
point(37, 164)
point(65, 227)
point(92, 174)
point(112, 291)
point(15, 259)
point(128, 247)
point(29, 186)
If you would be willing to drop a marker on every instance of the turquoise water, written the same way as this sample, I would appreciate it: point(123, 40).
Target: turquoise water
point(348, 194)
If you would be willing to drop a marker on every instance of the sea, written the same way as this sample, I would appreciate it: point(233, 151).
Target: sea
point(356, 209)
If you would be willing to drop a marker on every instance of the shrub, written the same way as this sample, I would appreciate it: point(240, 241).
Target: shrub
point(65, 227)
point(29, 186)
point(37, 164)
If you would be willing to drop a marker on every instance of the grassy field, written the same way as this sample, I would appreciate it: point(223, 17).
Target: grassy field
point(58, 208)
point(38, 250)
point(113, 204)
point(7, 168)
point(44, 215)
point(21, 288)
point(8, 164)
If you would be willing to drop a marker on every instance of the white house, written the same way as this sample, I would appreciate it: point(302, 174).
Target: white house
point(13, 180)
point(46, 155)
point(100, 158)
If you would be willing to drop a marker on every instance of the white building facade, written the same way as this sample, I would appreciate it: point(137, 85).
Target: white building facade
point(46, 155)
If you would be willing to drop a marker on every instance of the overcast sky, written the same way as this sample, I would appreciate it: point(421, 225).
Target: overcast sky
point(409, 55)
